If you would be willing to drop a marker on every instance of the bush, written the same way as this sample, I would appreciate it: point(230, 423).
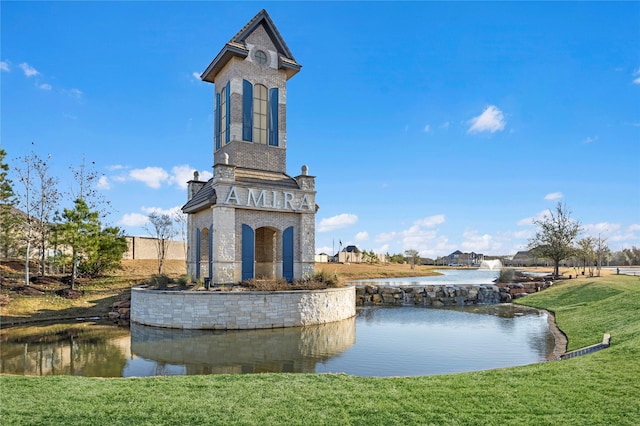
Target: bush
point(506, 275)
point(160, 281)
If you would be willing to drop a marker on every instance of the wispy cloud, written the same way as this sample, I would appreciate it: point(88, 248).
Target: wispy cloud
point(196, 75)
point(337, 222)
point(44, 86)
point(73, 93)
point(427, 128)
point(636, 76)
point(491, 120)
point(590, 139)
point(4, 66)
point(553, 196)
point(430, 221)
point(527, 221)
point(28, 70)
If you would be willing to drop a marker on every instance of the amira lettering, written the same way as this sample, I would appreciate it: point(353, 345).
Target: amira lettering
point(267, 199)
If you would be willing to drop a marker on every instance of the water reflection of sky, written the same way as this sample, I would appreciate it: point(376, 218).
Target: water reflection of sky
point(419, 341)
point(448, 277)
point(380, 341)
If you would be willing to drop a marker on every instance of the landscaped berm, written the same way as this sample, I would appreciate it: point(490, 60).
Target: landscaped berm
point(601, 388)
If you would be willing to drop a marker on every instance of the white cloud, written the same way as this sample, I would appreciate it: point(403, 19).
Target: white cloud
point(444, 125)
point(491, 120)
point(103, 183)
point(150, 176)
point(337, 222)
point(590, 139)
point(419, 236)
point(603, 229)
point(553, 196)
point(636, 74)
point(479, 243)
point(133, 219)
point(28, 70)
point(430, 221)
point(158, 210)
point(362, 236)
point(182, 174)
point(427, 128)
point(196, 75)
point(4, 66)
point(44, 86)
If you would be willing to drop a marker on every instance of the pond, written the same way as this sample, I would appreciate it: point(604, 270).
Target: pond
point(377, 342)
point(448, 277)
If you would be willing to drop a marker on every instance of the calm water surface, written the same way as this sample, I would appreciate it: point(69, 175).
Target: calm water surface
point(448, 277)
point(378, 342)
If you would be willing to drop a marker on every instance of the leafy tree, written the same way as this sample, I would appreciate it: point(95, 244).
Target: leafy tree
point(111, 244)
point(8, 220)
point(586, 252)
point(162, 229)
point(555, 236)
point(631, 256)
point(602, 252)
point(80, 231)
point(413, 256)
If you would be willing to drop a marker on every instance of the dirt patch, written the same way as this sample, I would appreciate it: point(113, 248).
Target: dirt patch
point(67, 293)
point(27, 290)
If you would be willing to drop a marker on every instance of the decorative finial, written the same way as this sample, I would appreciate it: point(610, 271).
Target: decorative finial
point(305, 170)
point(196, 175)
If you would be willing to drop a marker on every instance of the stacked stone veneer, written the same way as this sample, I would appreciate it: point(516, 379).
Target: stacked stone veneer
point(446, 295)
point(240, 310)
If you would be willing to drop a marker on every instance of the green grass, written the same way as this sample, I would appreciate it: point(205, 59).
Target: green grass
point(598, 389)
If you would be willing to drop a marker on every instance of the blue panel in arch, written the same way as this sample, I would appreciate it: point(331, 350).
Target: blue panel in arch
point(287, 254)
point(248, 249)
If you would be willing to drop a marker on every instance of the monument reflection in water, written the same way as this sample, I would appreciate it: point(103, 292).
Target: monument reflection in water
point(403, 341)
point(295, 350)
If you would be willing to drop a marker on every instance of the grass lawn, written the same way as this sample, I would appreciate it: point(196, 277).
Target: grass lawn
point(597, 389)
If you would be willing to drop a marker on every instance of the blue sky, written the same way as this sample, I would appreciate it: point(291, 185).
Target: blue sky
point(429, 126)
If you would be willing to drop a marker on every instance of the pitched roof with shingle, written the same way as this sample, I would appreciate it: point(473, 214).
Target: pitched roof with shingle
point(206, 196)
point(237, 47)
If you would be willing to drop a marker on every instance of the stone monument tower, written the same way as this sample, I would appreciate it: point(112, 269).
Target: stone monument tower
point(251, 220)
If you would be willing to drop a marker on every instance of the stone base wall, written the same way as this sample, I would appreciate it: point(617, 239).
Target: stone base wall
point(445, 295)
point(240, 310)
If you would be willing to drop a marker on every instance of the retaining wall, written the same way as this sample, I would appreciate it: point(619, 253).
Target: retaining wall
point(445, 295)
point(240, 310)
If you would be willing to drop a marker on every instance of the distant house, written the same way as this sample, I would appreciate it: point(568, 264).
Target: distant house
point(322, 258)
point(349, 254)
point(458, 258)
point(521, 258)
